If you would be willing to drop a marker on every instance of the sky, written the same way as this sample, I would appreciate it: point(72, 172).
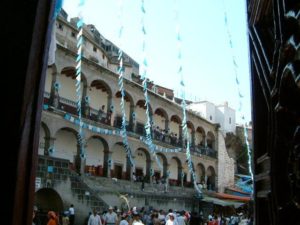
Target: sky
point(208, 71)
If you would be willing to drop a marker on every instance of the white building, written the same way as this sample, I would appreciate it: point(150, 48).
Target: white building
point(221, 114)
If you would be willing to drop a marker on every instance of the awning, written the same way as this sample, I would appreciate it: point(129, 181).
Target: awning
point(222, 202)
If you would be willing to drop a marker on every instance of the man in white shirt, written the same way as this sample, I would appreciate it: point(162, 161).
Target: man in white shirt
point(94, 219)
point(110, 217)
point(72, 214)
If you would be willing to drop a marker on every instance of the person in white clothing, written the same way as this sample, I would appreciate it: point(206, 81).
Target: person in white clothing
point(125, 219)
point(110, 217)
point(171, 220)
point(94, 219)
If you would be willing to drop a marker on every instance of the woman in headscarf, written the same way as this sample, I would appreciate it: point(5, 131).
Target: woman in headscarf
point(52, 218)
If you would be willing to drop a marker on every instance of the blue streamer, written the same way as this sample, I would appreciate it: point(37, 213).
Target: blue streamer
point(58, 6)
point(183, 103)
point(80, 135)
point(235, 67)
point(148, 135)
point(123, 131)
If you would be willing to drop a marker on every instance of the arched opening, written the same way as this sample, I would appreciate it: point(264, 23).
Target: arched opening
point(175, 171)
point(65, 145)
point(119, 163)
point(200, 173)
point(95, 150)
point(100, 101)
point(211, 140)
point(47, 199)
point(44, 139)
point(67, 91)
point(160, 172)
point(191, 131)
point(200, 137)
point(161, 125)
point(211, 178)
point(176, 130)
point(50, 93)
point(143, 163)
point(129, 108)
point(141, 116)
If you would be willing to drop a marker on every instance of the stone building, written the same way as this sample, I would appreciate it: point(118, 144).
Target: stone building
point(106, 165)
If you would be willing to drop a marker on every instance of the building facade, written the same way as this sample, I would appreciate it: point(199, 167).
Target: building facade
point(105, 155)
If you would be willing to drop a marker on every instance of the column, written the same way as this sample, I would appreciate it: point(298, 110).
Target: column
point(49, 142)
point(132, 121)
point(80, 160)
point(107, 163)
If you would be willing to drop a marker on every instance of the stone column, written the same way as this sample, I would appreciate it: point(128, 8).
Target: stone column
point(133, 118)
point(166, 124)
point(168, 172)
point(54, 96)
point(109, 164)
point(80, 160)
point(49, 142)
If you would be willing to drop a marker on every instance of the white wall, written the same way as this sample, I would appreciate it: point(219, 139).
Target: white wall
point(228, 114)
point(94, 152)
point(159, 121)
point(42, 141)
point(174, 127)
point(68, 88)
point(48, 80)
point(156, 167)
point(117, 108)
point(65, 145)
point(140, 115)
point(140, 160)
point(173, 169)
point(119, 156)
point(97, 98)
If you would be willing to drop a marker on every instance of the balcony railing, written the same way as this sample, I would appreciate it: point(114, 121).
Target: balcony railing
point(69, 106)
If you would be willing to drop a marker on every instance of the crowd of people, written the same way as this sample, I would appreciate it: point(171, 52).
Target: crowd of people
point(143, 216)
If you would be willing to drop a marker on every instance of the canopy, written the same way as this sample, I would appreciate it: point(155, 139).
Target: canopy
point(222, 202)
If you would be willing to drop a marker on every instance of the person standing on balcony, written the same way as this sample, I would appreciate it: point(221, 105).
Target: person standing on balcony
point(101, 114)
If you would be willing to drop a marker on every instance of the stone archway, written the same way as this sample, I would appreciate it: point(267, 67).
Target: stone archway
point(211, 178)
point(47, 199)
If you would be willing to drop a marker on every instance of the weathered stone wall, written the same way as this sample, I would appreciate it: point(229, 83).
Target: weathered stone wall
point(225, 165)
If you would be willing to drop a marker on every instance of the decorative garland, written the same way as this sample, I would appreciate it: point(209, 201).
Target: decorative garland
point(240, 95)
point(115, 132)
point(80, 137)
point(183, 103)
point(148, 124)
point(121, 88)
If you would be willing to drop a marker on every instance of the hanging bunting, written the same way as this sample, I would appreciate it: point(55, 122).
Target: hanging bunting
point(240, 95)
point(148, 125)
point(80, 135)
point(122, 91)
point(183, 102)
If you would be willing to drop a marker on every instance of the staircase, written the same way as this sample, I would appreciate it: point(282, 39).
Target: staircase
point(55, 172)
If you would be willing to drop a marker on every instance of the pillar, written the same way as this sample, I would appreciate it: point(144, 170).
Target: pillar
point(49, 142)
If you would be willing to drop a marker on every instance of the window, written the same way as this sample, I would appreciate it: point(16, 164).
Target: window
point(94, 48)
point(210, 117)
point(229, 120)
point(73, 34)
point(60, 26)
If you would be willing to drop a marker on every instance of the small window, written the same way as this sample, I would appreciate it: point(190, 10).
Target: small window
point(229, 120)
point(73, 34)
point(60, 26)
point(95, 49)
point(103, 56)
point(210, 117)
